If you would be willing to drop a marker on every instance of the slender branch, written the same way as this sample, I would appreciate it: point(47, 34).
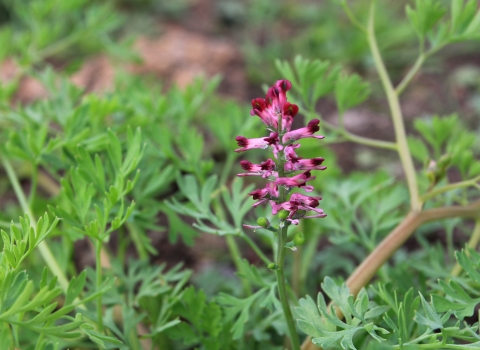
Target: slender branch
point(472, 243)
point(43, 248)
point(411, 73)
point(369, 267)
point(98, 258)
point(352, 18)
point(397, 117)
point(256, 249)
point(281, 252)
point(282, 288)
point(449, 187)
point(360, 139)
point(237, 259)
point(135, 234)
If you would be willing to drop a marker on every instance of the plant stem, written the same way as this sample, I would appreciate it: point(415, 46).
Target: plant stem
point(411, 73)
point(43, 248)
point(362, 140)
point(98, 266)
point(472, 243)
point(396, 113)
point(237, 258)
point(352, 18)
point(281, 250)
point(367, 269)
point(449, 187)
point(256, 249)
point(133, 229)
point(227, 167)
point(33, 185)
point(282, 289)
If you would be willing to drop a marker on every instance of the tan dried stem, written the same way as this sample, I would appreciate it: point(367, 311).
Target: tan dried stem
point(369, 267)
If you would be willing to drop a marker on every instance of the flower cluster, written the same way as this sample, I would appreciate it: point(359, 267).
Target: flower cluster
point(278, 115)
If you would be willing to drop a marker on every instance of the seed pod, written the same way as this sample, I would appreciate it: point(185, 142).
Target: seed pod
point(299, 238)
point(261, 221)
point(272, 266)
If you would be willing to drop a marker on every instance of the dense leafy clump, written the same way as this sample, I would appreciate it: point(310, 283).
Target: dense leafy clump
point(102, 194)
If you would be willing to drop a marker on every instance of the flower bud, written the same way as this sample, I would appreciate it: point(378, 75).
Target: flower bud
point(272, 266)
point(299, 238)
point(283, 214)
point(261, 221)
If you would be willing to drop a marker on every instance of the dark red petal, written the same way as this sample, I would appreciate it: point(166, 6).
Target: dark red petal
point(312, 126)
point(242, 141)
point(246, 165)
point(272, 139)
point(290, 109)
point(268, 165)
point(316, 161)
point(284, 85)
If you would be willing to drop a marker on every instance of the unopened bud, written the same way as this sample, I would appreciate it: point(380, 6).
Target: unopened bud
point(283, 214)
point(272, 266)
point(261, 221)
point(299, 238)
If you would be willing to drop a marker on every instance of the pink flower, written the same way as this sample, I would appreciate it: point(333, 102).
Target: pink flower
point(302, 133)
point(297, 181)
point(290, 152)
point(296, 164)
point(267, 115)
point(289, 112)
point(273, 111)
point(306, 201)
point(275, 105)
point(298, 206)
point(265, 169)
point(270, 191)
point(262, 142)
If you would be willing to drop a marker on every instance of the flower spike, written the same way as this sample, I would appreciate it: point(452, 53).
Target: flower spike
point(278, 115)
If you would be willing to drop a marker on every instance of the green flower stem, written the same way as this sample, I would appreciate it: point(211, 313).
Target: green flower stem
point(237, 258)
point(352, 18)
point(281, 251)
point(255, 248)
point(33, 186)
point(472, 243)
point(57, 47)
point(282, 288)
point(98, 266)
point(401, 138)
point(43, 248)
point(416, 67)
point(231, 243)
point(227, 167)
point(411, 73)
point(449, 187)
point(361, 140)
point(135, 234)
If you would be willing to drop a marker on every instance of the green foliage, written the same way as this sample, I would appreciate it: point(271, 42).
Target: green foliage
point(326, 329)
point(39, 29)
point(362, 315)
point(24, 239)
point(145, 161)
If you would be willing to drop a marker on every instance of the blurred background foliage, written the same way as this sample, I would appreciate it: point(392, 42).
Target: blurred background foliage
point(71, 69)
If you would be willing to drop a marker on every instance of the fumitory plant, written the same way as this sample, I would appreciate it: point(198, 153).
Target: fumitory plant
point(278, 115)
point(123, 226)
